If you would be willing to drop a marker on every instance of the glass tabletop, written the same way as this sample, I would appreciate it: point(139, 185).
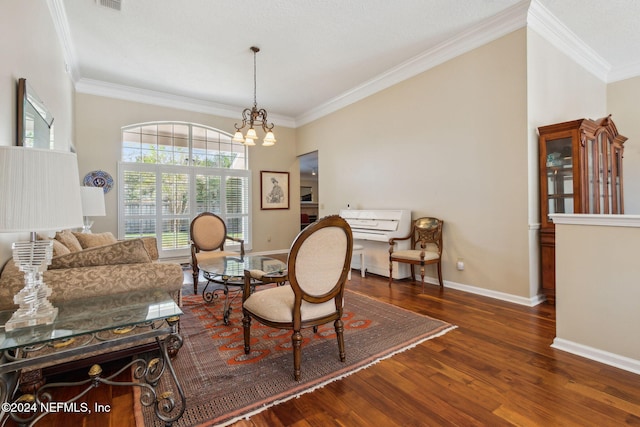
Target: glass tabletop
point(90, 315)
point(233, 267)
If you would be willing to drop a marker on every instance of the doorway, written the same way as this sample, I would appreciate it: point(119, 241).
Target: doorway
point(309, 175)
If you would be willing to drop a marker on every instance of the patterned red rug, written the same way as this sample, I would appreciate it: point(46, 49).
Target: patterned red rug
point(223, 385)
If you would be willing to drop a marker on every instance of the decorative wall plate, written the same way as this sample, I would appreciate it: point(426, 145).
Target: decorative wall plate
point(99, 179)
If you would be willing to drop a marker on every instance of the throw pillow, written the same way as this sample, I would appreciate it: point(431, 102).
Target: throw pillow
point(92, 240)
point(67, 238)
point(122, 252)
point(151, 244)
point(58, 248)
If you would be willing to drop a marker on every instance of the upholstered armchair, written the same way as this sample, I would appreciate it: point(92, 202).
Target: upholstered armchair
point(425, 249)
point(318, 264)
point(208, 235)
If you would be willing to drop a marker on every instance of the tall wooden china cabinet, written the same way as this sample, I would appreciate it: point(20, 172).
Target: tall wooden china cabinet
point(580, 172)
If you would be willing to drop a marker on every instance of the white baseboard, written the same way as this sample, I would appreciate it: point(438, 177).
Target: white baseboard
point(611, 359)
point(529, 302)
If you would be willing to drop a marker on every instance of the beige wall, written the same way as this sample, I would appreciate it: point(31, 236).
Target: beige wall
point(451, 143)
point(560, 89)
point(98, 124)
point(623, 104)
point(597, 288)
point(30, 50)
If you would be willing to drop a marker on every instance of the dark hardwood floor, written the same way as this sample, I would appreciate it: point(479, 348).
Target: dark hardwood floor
point(497, 368)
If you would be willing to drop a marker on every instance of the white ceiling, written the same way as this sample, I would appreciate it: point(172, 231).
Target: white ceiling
point(315, 55)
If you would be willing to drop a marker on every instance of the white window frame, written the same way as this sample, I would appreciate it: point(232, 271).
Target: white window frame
point(192, 172)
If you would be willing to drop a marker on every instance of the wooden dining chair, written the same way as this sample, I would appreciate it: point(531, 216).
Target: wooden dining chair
point(208, 233)
point(318, 263)
point(425, 249)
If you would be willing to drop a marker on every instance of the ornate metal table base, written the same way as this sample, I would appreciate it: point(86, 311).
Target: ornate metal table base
point(167, 406)
point(220, 284)
point(229, 271)
point(91, 327)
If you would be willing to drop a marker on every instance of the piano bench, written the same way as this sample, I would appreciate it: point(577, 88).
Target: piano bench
point(358, 250)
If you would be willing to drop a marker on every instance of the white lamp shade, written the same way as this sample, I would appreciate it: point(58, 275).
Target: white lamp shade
point(92, 201)
point(237, 137)
point(251, 134)
point(39, 190)
point(269, 139)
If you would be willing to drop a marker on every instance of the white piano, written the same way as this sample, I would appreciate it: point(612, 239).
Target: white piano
point(372, 228)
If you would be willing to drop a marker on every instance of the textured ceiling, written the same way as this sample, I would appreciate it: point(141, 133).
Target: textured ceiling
point(311, 51)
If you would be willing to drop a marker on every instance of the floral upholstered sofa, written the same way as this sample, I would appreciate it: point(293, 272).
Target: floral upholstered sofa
point(86, 265)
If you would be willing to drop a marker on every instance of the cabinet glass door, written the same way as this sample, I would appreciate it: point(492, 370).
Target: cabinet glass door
point(559, 176)
point(603, 175)
point(592, 175)
point(617, 190)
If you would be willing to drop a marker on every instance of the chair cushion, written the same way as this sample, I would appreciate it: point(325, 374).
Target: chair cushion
point(276, 305)
point(414, 255)
point(256, 274)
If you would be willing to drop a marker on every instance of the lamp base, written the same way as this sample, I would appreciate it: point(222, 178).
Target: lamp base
point(32, 258)
point(23, 318)
point(86, 226)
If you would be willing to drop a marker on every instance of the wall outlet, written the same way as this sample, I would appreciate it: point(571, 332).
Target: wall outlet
point(460, 264)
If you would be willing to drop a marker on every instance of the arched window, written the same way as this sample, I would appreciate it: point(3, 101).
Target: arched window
point(170, 172)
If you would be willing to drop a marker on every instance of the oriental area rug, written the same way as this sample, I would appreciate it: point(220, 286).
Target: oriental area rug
point(223, 385)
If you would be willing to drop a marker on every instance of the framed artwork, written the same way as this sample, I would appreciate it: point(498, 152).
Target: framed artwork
point(274, 190)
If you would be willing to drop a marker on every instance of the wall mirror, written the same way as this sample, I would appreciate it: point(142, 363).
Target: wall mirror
point(306, 194)
point(34, 119)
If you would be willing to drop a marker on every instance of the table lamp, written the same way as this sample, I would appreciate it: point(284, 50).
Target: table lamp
point(39, 191)
point(92, 205)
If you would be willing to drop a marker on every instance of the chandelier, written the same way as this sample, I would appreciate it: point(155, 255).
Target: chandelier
point(254, 116)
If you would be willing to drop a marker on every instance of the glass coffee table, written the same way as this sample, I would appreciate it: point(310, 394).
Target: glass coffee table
point(85, 328)
point(226, 272)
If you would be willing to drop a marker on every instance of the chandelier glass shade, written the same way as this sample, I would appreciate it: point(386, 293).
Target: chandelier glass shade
point(252, 117)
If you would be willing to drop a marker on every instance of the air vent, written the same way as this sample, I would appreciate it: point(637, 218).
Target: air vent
point(111, 4)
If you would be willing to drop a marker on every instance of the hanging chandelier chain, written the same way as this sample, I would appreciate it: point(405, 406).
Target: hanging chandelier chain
point(250, 116)
point(255, 50)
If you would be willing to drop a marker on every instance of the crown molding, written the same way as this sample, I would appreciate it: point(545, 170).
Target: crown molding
point(527, 13)
point(486, 31)
point(559, 35)
point(161, 99)
point(623, 73)
point(61, 24)
point(128, 93)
